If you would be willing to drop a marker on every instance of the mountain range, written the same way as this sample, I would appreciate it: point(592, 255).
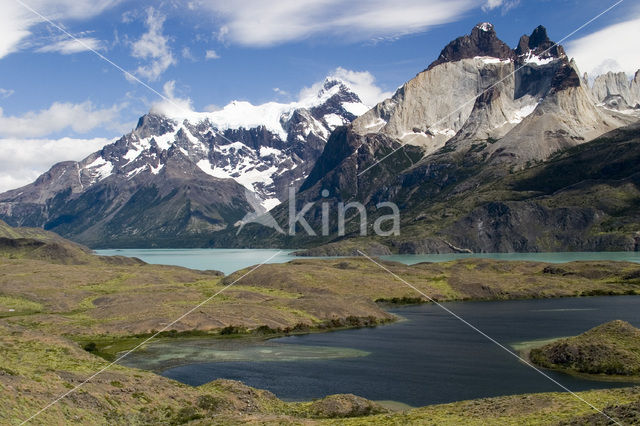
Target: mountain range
point(489, 149)
point(176, 178)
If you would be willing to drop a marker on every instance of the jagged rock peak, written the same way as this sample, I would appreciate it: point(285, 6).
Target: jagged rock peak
point(538, 44)
point(483, 41)
point(152, 124)
point(538, 37)
point(333, 86)
point(613, 83)
point(635, 90)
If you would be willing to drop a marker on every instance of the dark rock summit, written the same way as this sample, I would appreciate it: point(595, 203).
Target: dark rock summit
point(539, 44)
point(483, 41)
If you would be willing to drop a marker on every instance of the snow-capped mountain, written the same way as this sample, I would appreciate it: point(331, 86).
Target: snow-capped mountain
point(206, 169)
point(265, 148)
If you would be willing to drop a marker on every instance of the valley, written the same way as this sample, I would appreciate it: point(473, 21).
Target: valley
point(455, 240)
point(62, 313)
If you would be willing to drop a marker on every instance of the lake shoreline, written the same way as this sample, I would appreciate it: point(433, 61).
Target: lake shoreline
point(134, 340)
point(517, 379)
point(523, 350)
point(249, 339)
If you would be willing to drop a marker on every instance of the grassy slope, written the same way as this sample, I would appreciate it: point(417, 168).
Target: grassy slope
point(115, 305)
point(469, 279)
point(609, 349)
point(36, 368)
point(7, 231)
point(38, 244)
point(53, 303)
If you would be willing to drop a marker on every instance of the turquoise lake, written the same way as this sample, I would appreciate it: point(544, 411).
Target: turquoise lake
point(230, 260)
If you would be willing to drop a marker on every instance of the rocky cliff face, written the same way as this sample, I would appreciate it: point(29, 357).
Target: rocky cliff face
point(430, 109)
point(611, 84)
point(635, 89)
point(616, 92)
point(462, 124)
point(480, 90)
point(176, 179)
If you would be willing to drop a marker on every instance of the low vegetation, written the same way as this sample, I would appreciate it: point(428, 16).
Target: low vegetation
point(62, 317)
point(611, 349)
point(37, 367)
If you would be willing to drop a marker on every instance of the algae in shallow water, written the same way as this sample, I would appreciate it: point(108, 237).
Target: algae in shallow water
point(162, 355)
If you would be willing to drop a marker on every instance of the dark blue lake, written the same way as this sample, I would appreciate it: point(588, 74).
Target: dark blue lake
point(429, 358)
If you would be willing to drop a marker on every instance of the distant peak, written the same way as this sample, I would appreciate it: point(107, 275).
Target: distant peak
point(336, 87)
point(153, 124)
point(331, 82)
point(485, 26)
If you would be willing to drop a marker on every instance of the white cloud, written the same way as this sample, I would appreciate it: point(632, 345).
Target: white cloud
point(172, 106)
point(263, 23)
point(363, 83)
point(17, 23)
point(5, 93)
point(186, 54)
point(153, 47)
point(81, 118)
point(211, 54)
point(280, 92)
point(492, 4)
point(614, 48)
point(23, 160)
point(70, 46)
point(506, 5)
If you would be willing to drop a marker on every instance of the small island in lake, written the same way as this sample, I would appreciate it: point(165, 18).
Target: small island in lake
point(611, 349)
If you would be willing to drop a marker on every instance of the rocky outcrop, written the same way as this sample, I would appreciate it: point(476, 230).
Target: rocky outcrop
point(610, 349)
point(451, 148)
point(341, 406)
point(538, 46)
point(611, 83)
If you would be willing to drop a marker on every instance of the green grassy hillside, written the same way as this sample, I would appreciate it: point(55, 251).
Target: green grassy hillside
point(611, 349)
point(62, 321)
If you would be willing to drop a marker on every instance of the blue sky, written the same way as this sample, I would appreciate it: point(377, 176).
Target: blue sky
point(59, 97)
